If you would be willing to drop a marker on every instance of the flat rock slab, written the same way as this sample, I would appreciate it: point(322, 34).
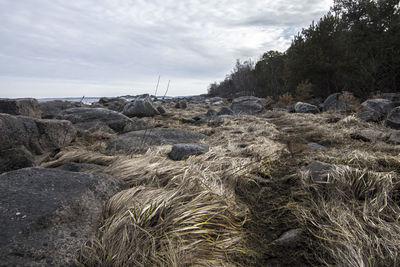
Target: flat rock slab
point(137, 140)
point(46, 214)
point(184, 151)
point(91, 119)
point(50, 109)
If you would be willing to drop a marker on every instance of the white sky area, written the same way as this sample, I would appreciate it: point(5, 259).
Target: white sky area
point(59, 48)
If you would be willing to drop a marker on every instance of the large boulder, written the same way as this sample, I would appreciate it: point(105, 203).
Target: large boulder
point(393, 120)
point(46, 215)
point(140, 107)
point(139, 140)
point(375, 110)
point(183, 151)
point(334, 103)
point(92, 119)
point(21, 106)
point(302, 107)
point(225, 111)
point(19, 134)
point(394, 137)
point(248, 105)
point(113, 103)
point(50, 109)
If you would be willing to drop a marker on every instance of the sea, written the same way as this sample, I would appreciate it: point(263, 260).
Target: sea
point(91, 99)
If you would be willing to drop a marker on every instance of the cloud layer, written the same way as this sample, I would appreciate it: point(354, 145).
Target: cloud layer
point(114, 47)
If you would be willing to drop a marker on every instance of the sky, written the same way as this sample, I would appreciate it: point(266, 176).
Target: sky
point(58, 48)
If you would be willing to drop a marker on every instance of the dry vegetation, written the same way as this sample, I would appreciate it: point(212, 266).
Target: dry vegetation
point(229, 206)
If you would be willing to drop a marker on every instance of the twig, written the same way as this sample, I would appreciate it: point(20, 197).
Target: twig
point(166, 90)
point(155, 94)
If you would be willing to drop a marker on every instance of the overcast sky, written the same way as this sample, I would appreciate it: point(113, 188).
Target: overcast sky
point(60, 48)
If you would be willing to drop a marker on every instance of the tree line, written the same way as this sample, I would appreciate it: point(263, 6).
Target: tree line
point(355, 47)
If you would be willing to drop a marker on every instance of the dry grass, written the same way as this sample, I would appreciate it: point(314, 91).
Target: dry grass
point(228, 206)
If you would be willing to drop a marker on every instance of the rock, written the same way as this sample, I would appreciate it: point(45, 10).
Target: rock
point(19, 134)
point(21, 106)
point(225, 111)
point(182, 104)
point(90, 119)
point(289, 239)
point(138, 140)
point(140, 107)
point(302, 107)
point(316, 146)
point(183, 151)
point(113, 103)
point(50, 109)
point(161, 109)
point(280, 109)
point(393, 97)
point(47, 215)
point(394, 137)
point(211, 113)
point(334, 103)
point(319, 171)
point(367, 135)
point(374, 110)
point(16, 158)
point(80, 167)
point(248, 105)
point(393, 120)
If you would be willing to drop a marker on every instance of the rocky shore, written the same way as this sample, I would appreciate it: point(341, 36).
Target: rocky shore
point(199, 180)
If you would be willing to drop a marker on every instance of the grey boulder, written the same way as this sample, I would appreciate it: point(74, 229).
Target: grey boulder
point(140, 107)
point(21, 137)
point(47, 215)
point(50, 109)
point(334, 103)
point(318, 171)
point(248, 105)
point(92, 119)
point(113, 103)
point(183, 151)
point(225, 111)
point(138, 140)
point(394, 137)
point(375, 110)
point(393, 120)
point(302, 107)
point(21, 106)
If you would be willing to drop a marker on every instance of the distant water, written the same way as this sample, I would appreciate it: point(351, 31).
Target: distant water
point(85, 100)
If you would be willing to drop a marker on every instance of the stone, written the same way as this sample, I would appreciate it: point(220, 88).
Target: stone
point(374, 110)
point(302, 107)
point(225, 111)
point(319, 171)
point(91, 119)
point(289, 239)
point(394, 137)
point(140, 107)
point(367, 135)
point(393, 120)
point(211, 113)
point(28, 107)
point(161, 109)
point(393, 97)
point(334, 103)
point(113, 103)
point(182, 104)
point(248, 105)
point(316, 146)
point(139, 140)
point(183, 151)
point(16, 158)
point(46, 215)
point(80, 167)
point(50, 109)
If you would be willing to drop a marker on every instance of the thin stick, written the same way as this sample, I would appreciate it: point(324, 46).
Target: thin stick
point(155, 94)
point(166, 90)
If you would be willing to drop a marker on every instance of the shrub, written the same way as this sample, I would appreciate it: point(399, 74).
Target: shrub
point(303, 91)
point(285, 100)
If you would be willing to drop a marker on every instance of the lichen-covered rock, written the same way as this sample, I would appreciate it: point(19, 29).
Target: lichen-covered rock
point(47, 215)
point(21, 106)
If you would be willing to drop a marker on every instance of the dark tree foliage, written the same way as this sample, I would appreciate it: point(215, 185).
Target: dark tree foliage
point(355, 48)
